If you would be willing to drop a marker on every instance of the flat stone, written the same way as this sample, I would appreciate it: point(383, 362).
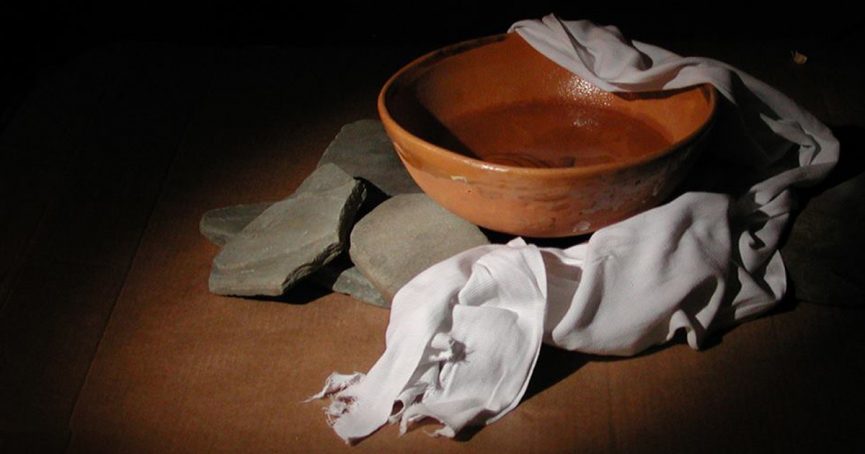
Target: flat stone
point(342, 276)
point(406, 235)
point(352, 282)
point(363, 150)
point(221, 224)
point(290, 239)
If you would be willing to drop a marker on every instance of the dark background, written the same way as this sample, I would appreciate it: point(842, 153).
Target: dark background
point(61, 27)
point(42, 35)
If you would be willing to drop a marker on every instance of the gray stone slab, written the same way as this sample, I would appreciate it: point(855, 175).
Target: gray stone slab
point(221, 224)
point(353, 282)
point(290, 239)
point(404, 236)
point(363, 150)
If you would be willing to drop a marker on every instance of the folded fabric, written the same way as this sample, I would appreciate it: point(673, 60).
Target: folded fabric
point(464, 335)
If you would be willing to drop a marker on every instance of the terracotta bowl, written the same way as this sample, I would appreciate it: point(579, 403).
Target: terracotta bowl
point(500, 135)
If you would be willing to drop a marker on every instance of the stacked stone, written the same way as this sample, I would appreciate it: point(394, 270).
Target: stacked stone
point(269, 247)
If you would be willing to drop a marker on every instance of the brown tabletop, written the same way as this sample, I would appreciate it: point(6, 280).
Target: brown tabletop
point(112, 342)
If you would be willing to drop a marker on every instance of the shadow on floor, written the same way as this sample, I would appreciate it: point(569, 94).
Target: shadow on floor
point(818, 247)
point(303, 293)
point(554, 365)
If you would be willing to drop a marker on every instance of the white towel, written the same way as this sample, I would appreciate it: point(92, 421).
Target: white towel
point(465, 334)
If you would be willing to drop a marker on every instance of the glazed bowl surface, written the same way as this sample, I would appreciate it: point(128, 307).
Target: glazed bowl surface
point(503, 137)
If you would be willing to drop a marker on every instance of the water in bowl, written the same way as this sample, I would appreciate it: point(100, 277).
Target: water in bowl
point(551, 134)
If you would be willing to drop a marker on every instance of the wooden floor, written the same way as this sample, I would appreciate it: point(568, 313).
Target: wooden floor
point(110, 341)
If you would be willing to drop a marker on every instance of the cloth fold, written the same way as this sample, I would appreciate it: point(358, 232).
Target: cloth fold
point(464, 335)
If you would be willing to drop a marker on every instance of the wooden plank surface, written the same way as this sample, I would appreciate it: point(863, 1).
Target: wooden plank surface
point(158, 135)
point(84, 158)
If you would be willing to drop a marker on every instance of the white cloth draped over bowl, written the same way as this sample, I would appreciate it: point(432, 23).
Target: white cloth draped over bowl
point(464, 335)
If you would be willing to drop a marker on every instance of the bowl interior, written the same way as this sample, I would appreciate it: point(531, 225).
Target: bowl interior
point(498, 100)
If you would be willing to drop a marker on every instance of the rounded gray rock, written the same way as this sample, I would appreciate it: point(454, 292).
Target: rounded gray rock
point(406, 235)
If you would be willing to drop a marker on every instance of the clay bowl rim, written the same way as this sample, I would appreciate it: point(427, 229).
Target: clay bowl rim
point(429, 59)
